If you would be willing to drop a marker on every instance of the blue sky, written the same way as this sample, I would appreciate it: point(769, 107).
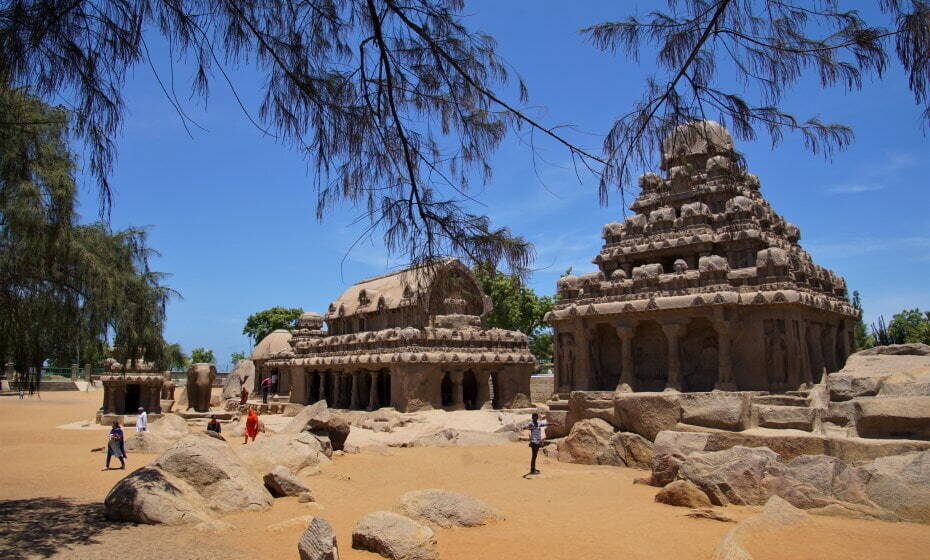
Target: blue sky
point(232, 212)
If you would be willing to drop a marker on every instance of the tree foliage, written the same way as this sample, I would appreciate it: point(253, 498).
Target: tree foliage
point(711, 53)
point(517, 308)
point(174, 357)
point(202, 356)
point(236, 356)
point(65, 288)
point(394, 104)
point(910, 325)
point(861, 337)
point(259, 325)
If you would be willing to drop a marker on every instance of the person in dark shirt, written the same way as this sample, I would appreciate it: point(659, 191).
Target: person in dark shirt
point(115, 446)
point(214, 425)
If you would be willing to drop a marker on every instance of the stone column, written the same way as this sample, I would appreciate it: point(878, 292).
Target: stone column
point(583, 365)
point(155, 406)
point(74, 372)
point(458, 400)
point(483, 377)
point(829, 353)
point(119, 398)
point(107, 398)
point(724, 363)
point(373, 396)
point(625, 333)
point(353, 403)
point(845, 342)
point(87, 372)
point(672, 332)
point(816, 352)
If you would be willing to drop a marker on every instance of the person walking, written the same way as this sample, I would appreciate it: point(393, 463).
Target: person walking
point(251, 426)
point(535, 427)
point(115, 446)
point(142, 421)
point(266, 386)
point(214, 425)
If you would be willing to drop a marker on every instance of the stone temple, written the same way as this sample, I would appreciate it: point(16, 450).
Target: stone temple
point(704, 287)
point(411, 340)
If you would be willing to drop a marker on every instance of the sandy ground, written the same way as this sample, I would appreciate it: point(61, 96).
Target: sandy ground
point(52, 486)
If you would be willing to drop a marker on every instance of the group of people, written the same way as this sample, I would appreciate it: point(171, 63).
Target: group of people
point(116, 442)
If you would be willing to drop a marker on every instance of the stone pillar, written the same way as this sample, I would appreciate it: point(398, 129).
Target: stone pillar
point(846, 342)
point(353, 403)
point(155, 406)
point(87, 372)
point(829, 353)
point(373, 396)
point(673, 332)
point(74, 372)
point(119, 398)
point(724, 358)
point(583, 365)
point(625, 333)
point(458, 400)
point(107, 398)
point(816, 352)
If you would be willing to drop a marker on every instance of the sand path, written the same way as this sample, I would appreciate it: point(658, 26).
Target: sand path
point(51, 488)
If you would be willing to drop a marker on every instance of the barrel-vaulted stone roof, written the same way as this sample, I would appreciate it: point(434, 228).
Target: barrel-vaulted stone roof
point(275, 342)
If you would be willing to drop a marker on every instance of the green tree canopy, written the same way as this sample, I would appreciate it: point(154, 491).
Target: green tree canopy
point(66, 289)
point(174, 357)
point(517, 308)
point(260, 324)
point(861, 336)
point(202, 356)
point(236, 356)
point(910, 325)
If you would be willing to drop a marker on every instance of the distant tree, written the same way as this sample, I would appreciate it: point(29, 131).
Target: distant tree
point(862, 337)
point(260, 324)
point(517, 308)
point(202, 356)
point(910, 325)
point(174, 357)
point(236, 356)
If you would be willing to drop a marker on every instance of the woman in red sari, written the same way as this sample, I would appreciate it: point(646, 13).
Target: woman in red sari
point(251, 426)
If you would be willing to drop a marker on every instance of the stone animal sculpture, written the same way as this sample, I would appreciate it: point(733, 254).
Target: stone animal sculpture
point(199, 381)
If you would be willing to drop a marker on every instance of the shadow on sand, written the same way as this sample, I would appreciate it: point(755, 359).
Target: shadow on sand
point(43, 526)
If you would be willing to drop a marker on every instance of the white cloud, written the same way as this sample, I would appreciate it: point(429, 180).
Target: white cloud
point(852, 188)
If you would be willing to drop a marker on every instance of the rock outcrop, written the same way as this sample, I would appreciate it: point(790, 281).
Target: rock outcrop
point(394, 536)
point(146, 442)
point(170, 427)
point(647, 414)
point(281, 482)
point(446, 508)
point(293, 451)
point(733, 476)
point(683, 493)
point(193, 478)
point(318, 541)
point(777, 513)
point(594, 442)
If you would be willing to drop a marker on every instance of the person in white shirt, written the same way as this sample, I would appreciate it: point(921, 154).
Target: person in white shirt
point(535, 427)
point(142, 421)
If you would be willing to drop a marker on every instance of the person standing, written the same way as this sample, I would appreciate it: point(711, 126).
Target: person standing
point(251, 426)
point(142, 421)
point(535, 427)
point(266, 386)
point(214, 425)
point(244, 396)
point(115, 446)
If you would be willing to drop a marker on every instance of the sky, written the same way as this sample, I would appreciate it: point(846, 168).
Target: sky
point(232, 212)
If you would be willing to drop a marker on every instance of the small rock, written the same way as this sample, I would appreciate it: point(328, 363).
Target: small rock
point(318, 542)
point(446, 508)
point(281, 481)
point(683, 493)
point(710, 514)
point(305, 497)
point(394, 536)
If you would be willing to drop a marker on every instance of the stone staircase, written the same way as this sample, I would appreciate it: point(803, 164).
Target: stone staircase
point(790, 410)
point(45, 386)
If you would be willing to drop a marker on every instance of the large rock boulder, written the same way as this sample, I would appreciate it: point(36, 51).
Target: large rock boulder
point(584, 405)
point(318, 411)
point(281, 482)
point(215, 472)
point(683, 493)
point(152, 496)
point(724, 411)
point(776, 514)
point(739, 475)
point(901, 485)
point(557, 424)
point(293, 451)
point(394, 536)
point(902, 417)
point(242, 375)
point(170, 427)
point(146, 442)
point(895, 370)
point(593, 442)
point(446, 508)
point(318, 541)
point(647, 414)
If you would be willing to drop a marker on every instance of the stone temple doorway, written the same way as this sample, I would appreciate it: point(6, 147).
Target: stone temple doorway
point(650, 357)
point(132, 398)
point(699, 356)
point(470, 390)
point(445, 390)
